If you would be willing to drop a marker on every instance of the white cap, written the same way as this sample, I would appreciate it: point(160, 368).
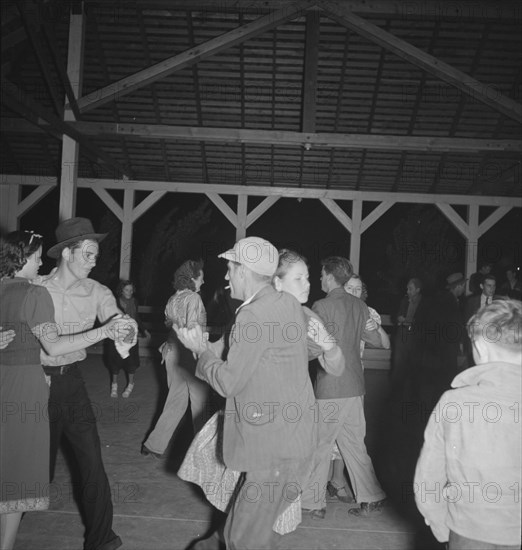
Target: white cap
point(255, 253)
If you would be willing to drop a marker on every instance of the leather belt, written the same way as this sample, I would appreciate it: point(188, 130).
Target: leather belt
point(57, 371)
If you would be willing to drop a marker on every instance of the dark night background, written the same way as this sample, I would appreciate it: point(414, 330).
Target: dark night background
point(408, 240)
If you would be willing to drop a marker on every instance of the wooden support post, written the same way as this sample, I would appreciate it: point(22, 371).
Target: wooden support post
point(70, 147)
point(472, 238)
point(126, 234)
point(10, 193)
point(242, 205)
point(355, 237)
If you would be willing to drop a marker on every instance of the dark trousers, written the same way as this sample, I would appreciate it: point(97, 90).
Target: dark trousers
point(259, 499)
point(71, 415)
point(458, 542)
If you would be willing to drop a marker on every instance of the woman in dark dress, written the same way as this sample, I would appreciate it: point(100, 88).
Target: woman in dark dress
point(27, 310)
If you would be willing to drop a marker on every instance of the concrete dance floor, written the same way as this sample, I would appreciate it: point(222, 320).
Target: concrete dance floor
point(155, 510)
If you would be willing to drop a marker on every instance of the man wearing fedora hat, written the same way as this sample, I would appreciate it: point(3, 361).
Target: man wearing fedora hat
point(78, 302)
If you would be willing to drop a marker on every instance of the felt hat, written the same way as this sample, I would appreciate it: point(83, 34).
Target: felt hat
point(72, 230)
point(454, 279)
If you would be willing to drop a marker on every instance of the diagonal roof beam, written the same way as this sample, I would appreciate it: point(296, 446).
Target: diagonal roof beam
point(28, 15)
point(189, 57)
point(17, 100)
point(475, 89)
point(58, 62)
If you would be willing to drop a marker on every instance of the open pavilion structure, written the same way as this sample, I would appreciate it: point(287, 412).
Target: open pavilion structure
point(372, 102)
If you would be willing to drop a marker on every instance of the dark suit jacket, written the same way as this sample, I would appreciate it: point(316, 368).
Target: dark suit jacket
point(269, 416)
point(441, 335)
point(473, 305)
point(344, 317)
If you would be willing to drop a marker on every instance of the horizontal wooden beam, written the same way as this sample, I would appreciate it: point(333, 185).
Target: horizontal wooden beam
point(475, 89)
point(160, 70)
point(420, 9)
point(278, 190)
point(275, 137)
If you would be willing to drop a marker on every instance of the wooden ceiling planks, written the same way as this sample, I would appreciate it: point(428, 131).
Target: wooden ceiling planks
point(361, 88)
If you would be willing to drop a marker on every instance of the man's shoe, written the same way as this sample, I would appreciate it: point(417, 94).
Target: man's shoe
point(368, 509)
point(315, 514)
point(145, 451)
point(214, 542)
point(334, 492)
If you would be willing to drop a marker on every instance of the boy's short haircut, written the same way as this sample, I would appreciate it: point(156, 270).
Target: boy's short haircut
point(500, 323)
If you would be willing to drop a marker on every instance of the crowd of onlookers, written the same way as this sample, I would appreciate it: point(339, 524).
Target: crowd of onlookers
point(431, 344)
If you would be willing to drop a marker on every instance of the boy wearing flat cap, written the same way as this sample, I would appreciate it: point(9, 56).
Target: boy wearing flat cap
point(269, 430)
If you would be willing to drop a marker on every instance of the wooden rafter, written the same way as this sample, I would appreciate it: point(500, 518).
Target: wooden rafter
point(506, 10)
point(460, 108)
point(105, 71)
point(375, 95)
point(338, 104)
point(309, 104)
point(18, 101)
point(59, 63)
point(470, 86)
point(515, 171)
point(197, 91)
point(416, 106)
point(242, 103)
point(148, 60)
point(194, 55)
point(33, 32)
